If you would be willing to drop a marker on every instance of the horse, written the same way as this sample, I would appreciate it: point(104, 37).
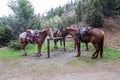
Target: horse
point(56, 34)
point(72, 31)
point(95, 36)
point(30, 36)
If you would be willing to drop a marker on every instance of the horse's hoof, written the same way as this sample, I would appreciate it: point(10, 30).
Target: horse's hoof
point(86, 49)
point(56, 47)
point(24, 55)
point(78, 56)
point(93, 57)
point(38, 55)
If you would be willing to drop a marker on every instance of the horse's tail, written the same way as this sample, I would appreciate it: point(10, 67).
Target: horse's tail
point(101, 44)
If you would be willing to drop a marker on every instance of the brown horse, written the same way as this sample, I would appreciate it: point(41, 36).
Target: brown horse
point(72, 31)
point(31, 37)
point(95, 36)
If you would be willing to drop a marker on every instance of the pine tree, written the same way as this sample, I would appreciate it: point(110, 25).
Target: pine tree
point(24, 13)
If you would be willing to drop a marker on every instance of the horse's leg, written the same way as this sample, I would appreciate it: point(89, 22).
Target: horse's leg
point(39, 50)
point(95, 55)
point(74, 46)
point(86, 46)
point(23, 50)
point(61, 42)
point(55, 44)
point(101, 49)
point(78, 49)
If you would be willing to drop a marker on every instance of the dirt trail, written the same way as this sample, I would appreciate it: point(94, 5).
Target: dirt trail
point(60, 66)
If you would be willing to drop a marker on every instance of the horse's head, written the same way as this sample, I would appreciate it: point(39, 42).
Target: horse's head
point(50, 33)
point(61, 32)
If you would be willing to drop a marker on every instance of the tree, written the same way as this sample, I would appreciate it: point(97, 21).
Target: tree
point(5, 34)
point(90, 12)
point(24, 13)
point(111, 7)
point(78, 12)
point(93, 15)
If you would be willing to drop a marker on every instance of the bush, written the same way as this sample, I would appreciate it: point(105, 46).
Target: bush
point(14, 44)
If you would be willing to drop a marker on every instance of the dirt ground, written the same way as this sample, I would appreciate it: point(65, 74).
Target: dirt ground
point(61, 66)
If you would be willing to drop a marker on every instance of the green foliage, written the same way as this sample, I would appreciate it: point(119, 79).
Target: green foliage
point(68, 21)
point(54, 22)
point(5, 35)
point(24, 14)
point(93, 11)
point(90, 12)
point(55, 12)
point(14, 44)
point(93, 15)
point(111, 7)
point(78, 12)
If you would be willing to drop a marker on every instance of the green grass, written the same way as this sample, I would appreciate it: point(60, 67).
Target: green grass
point(109, 54)
point(7, 53)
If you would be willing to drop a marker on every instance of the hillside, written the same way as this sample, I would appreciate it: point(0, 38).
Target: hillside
point(111, 28)
point(112, 32)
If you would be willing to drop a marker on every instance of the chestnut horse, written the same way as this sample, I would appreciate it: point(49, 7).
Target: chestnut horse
point(72, 31)
point(31, 37)
point(95, 36)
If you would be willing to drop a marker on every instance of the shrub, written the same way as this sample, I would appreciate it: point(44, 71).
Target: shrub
point(14, 44)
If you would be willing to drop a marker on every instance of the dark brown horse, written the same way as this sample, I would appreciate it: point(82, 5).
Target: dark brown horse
point(31, 37)
point(56, 34)
point(95, 36)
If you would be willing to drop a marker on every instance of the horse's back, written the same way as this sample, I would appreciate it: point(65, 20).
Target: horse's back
point(23, 35)
point(98, 34)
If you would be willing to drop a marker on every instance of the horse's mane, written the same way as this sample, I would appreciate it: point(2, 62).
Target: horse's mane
point(72, 28)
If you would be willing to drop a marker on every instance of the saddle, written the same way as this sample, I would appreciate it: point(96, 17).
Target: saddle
point(36, 35)
point(83, 32)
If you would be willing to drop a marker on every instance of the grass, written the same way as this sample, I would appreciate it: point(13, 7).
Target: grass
point(109, 54)
point(7, 53)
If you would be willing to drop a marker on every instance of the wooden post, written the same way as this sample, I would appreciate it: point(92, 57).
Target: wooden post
point(48, 45)
point(64, 43)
